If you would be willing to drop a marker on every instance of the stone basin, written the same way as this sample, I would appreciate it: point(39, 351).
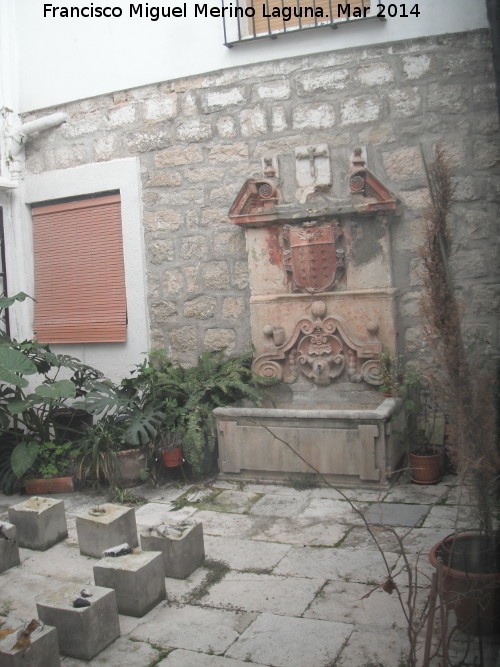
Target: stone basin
point(349, 443)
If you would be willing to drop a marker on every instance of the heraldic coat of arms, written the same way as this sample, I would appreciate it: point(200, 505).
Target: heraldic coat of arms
point(313, 254)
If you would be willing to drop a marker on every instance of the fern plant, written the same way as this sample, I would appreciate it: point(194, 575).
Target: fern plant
point(189, 396)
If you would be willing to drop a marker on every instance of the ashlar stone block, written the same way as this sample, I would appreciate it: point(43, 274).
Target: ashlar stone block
point(42, 649)
point(137, 578)
point(9, 548)
point(40, 522)
point(105, 526)
point(181, 545)
point(83, 632)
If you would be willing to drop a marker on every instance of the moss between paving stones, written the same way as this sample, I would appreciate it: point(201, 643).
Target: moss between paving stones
point(217, 570)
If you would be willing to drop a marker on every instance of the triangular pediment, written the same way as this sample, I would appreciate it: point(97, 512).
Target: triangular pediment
point(254, 202)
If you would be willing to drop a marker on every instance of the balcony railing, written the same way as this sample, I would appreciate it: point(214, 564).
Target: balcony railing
point(248, 20)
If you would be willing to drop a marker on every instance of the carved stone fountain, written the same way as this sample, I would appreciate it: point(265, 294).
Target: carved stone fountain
point(322, 308)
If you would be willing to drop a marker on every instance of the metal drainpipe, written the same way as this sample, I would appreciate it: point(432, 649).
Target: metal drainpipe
point(21, 135)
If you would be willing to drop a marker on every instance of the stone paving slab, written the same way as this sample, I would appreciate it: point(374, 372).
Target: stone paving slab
point(332, 510)
point(63, 562)
point(359, 537)
point(182, 658)
point(234, 501)
point(340, 564)
point(396, 514)
point(359, 495)
point(279, 506)
point(422, 539)
point(416, 493)
point(121, 652)
point(18, 590)
point(291, 642)
point(449, 518)
point(178, 590)
point(263, 592)
point(129, 623)
point(374, 649)
point(245, 554)
point(344, 602)
point(194, 628)
point(278, 490)
point(227, 525)
point(301, 532)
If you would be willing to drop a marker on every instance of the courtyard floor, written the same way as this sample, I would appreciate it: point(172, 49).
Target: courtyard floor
point(292, 577)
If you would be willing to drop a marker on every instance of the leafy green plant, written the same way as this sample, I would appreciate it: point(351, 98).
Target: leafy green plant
point(129, 405)
point(425, 419)
point(397, 375)
point(97, 460)
point(189, 396)
point(54, 459)
point(33, 413)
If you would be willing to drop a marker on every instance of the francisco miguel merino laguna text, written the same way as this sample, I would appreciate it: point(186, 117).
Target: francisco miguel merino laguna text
point(155, 12)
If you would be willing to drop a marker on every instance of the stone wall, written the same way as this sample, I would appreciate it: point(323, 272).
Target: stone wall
point(199, 138)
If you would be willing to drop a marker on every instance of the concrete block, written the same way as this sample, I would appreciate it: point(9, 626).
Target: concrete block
point(105, 526)
point(40, 522)
point(181, 545)
point(9, 548)
point(137, 578)
point(42, 649)
point(83, 631)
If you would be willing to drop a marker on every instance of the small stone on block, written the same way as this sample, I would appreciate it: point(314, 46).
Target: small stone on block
point(28, 644)
point(9, 548)
point(105, 526)
point(40, 522)
point(83, 631)
point(137, 578)
point(181, 544)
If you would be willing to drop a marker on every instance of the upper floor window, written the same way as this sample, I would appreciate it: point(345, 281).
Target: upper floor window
point(254, 19)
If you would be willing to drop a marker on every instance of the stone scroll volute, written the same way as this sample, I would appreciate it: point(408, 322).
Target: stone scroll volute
point(320, 349)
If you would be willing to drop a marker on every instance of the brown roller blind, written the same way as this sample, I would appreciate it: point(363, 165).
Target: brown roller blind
point(79, 272)
point(330, 12)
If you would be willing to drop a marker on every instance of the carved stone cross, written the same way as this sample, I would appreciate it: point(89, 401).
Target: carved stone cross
point(312, 153)
point(312, 166)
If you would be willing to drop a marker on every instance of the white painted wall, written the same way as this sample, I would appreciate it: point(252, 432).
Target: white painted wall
point(63, 59)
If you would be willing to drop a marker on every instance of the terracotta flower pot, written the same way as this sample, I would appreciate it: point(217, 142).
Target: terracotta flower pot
point(425, 469)
point(471, 581)
point(172, 457)
point(34, 487)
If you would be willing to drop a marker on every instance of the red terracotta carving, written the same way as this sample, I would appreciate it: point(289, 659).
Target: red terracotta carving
point(314, 256)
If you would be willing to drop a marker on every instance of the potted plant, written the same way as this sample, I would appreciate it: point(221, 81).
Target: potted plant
point(425, 433)
point(31, 413)
point(170, 444)
point(189, 396)
point(469, 560)
point(50, 472)
point(131, 417)
point(397, 375)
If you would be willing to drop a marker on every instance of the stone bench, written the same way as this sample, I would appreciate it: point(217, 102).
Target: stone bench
point(105, 526)
point(40, 522)
point(83, 631)
point(137, 578)
point(181, 544)
point(39, 645)
point(9, 548)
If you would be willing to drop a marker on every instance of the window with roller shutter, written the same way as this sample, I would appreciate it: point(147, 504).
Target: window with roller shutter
point(79, 271)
